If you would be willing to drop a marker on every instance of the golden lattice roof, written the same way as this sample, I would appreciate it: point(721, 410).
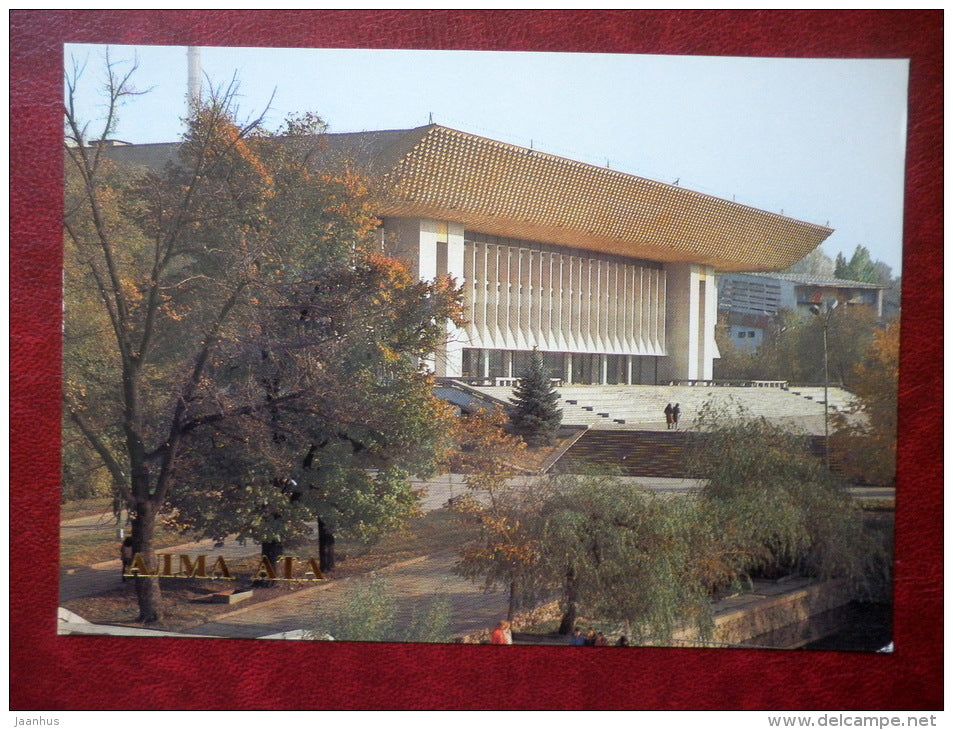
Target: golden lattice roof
point(501, 189)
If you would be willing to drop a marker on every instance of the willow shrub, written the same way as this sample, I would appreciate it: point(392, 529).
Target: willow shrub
point(767, 508)
point(373, 613)
point(776, 508)
point(625, 554)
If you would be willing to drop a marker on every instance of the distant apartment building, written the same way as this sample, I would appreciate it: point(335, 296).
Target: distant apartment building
point(747, 302)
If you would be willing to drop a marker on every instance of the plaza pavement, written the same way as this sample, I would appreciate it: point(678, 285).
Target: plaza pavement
point(410, 585)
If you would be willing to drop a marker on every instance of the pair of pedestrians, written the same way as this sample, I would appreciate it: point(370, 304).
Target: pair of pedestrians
point(593, 638)
point(671, 416)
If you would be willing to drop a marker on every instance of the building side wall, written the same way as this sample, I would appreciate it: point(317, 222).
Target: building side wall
point(709, 348)
point(682, 323)
point(691, 314)
point(431, 248)
point(402, 239)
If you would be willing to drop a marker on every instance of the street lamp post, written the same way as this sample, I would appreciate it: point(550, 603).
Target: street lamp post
point(827, 442)
point(827, 310)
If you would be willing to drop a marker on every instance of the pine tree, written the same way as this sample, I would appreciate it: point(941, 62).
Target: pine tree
point(862, 267)
point(841, 268)
point(535, 416)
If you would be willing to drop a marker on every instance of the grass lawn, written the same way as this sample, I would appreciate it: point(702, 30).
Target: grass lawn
point(86, 508)
point(80, 547)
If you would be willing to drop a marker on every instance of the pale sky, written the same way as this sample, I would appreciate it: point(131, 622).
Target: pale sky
point(819, 140)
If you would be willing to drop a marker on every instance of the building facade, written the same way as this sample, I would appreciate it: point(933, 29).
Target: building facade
point(609, 275)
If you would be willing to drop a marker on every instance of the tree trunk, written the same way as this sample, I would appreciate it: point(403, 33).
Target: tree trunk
point(148, 594)
point(514, 593)
point(272, 550)
point(325, 547)
point(569, 615)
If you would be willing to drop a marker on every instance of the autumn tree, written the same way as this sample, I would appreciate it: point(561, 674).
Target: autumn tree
point(737, 363)
point(777, 509)
point(233, 343)
point(505, 554)
point(655, 563)
point(865, 437)
point(783, 348)
point(342, 459)
point(850, 332)
point(793, 347)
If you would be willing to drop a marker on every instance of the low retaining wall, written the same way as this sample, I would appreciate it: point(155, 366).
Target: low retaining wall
point(767, 608)
point(783, 608)
point(522, 620)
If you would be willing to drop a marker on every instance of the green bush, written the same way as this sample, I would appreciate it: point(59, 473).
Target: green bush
point(776, 508)
point(371, 614)
point(432, 624)
point(625, 554)
point(767, 509)
point(368, 614)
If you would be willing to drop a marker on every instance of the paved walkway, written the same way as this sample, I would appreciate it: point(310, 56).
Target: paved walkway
point(411, 585)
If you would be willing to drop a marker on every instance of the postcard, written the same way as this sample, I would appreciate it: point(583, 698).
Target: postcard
point(397, 350)
point(366, 353)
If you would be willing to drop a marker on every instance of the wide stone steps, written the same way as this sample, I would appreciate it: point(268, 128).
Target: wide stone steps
point(631, 453)
point(664, 454)
point(839, 399)
point(619, 407)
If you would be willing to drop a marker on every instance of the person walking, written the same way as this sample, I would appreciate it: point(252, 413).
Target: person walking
point(676, 412)
point(501, 634)
point(125, 554)
point(669, 414)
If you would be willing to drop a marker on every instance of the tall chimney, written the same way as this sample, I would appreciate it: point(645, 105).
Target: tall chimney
point(195, 80)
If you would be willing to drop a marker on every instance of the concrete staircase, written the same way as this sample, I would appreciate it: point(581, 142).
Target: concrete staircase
point(656, 454)
point(627, 407)
point(840, 399)
point(664, 454)
point(627, 430)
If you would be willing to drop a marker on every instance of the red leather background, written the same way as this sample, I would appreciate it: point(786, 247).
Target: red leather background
point(50, 672)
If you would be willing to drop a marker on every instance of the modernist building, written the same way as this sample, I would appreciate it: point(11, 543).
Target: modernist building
point(748, 302)
point(611, 276)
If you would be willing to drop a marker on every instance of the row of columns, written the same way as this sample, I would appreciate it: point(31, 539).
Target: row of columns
point(522, 296)
point(519, 296)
